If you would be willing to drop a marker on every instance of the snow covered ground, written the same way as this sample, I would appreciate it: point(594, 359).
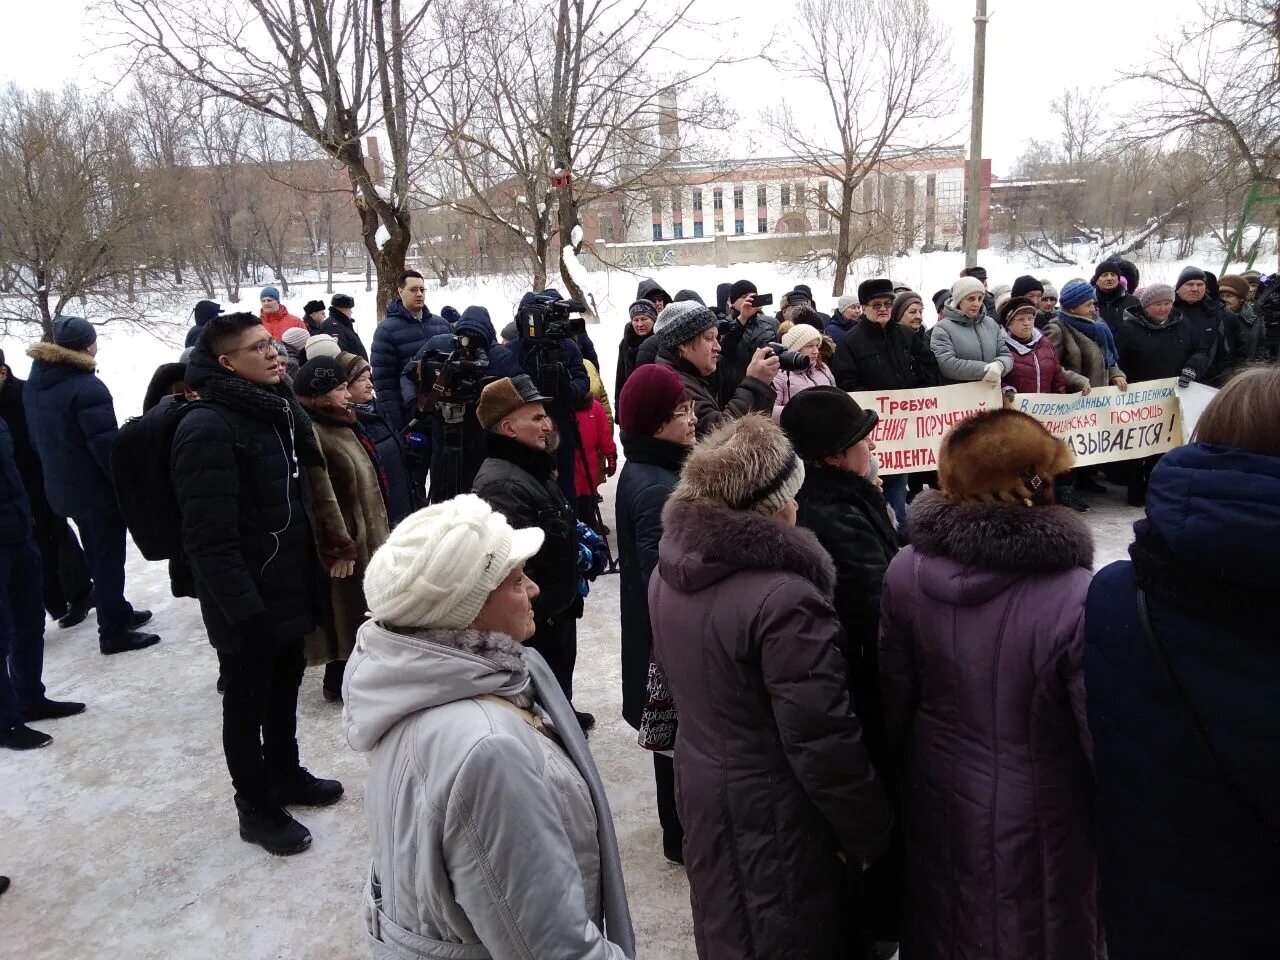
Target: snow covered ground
point(121, 836)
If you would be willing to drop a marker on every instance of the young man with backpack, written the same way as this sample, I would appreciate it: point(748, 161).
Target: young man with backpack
point(237, 460)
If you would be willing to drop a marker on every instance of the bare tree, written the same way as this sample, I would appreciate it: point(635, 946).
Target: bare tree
point(1080, 118)
point(884, 74)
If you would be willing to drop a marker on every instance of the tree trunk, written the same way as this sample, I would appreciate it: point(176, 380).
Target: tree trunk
point(42, 301)
point(843, 241)
point(328, 246)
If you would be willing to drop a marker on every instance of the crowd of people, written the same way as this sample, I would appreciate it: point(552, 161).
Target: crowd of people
point(886, 712)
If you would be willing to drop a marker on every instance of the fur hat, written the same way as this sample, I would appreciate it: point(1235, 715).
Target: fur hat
point(1076, 292)
point(1000, 455)
point(978, 273)
point(272, 292)
point(740, 288)
point(680, 322)
point(847, 300)
point(1005, 312)
point(801, 335)
point(648, 399)
point(322, 345)
point(1000, 289)
point(74, 333)
point(823, 421)
point(744, 464)
point(1156, 293)
point(503, 397)
point(344, 300)
point(940, 300)
point(963, 288)
point(795, 298)
point(869, 290)
point(1001, 300)
point(1234, 283)
point(439, 565)
point(1025, 284)
point(312, 306)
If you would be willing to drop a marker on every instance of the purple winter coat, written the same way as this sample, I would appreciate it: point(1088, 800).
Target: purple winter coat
point(772, 780)
point(981, 647)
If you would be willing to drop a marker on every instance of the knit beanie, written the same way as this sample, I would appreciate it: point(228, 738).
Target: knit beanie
point(740, 289)
point(1234, 283)
point(1000, 455)
point(684, 295)
point(1076, 292)
point(344, 300)
point(963, 288)
point(900, 303)
point(272, 292)
point(74, 333)
point(318, 376)
point(1189, 273)
point(801, 335)
point(1000, 289)
point(296, 337)
point(354, 364)
point(648, 399)
point(1001, 300)
point(511, 332)
point(744, 464)
point(1156, 293)
point(642, 308)
point(1106, 266)
point(848, 300)
point(312, 306)
point(680, 322)
point(1025, 285)
point(1050, 291)
point(322, 345)
point(439, 565)
point(206, 310)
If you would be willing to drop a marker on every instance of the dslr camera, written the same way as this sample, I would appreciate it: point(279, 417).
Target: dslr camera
point(789, 359)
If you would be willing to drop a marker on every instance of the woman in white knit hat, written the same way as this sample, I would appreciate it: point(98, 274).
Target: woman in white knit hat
point(805, 336)
point(491, 833)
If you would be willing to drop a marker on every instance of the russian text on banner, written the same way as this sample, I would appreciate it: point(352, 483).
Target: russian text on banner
point(1108, 425)
point(913, 422)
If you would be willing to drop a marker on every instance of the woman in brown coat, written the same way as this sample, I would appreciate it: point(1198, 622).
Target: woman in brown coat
point(349, 498)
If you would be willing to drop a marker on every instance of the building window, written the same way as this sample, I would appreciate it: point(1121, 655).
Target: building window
point(719, 226)
point(657, 231)
point(762, 196)
point(824, 205)
point(737, 198)
point(931, 185)
point(762, 225)
point(697, 201)
point(786, 195)
point(739, 227)
point(799, 194)
point(678, 231)
point(697, 228)
point(677, 204)
point(717, 199)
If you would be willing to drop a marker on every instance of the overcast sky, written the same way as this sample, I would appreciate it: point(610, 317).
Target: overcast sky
point(1035, 48)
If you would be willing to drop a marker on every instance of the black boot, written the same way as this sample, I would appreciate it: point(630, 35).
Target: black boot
point(271, 828)
point(48, 709)
point(586, 721)
point(4, 884)
point(77, 610)
point(139, 618)
point(303, 789)
point(23, 737)
point(127, 641)
point(1067, 497)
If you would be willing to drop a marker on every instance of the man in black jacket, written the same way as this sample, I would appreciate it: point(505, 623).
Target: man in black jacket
point(1206, 317)
point(518, 479)
point(1113, 302)
point(341, 326)
point(237, 461)
point(745, 331)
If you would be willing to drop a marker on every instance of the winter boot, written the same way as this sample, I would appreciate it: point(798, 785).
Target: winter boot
point(302, 788)
point(23, 737)
point(127, 641)
point(271, 828)
point(77, 610)
point(47, 709)
point(139, 618)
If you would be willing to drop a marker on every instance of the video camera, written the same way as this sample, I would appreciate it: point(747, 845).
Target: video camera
point(544, 317)
point(454, 377)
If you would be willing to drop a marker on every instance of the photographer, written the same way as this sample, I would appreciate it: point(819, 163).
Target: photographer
point(687, 343)
point(442, 384)
point(742, 334)
point(546, 351)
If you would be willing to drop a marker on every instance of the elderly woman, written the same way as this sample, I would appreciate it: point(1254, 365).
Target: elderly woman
point(490, 830)
point(806, 339)
point(966, 342)
point(401, 499)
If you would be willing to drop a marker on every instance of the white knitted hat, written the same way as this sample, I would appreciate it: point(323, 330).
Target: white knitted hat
point(322, 345)
point(801, 335)
point(848, 300)
point(441, 563)
point(963, 287)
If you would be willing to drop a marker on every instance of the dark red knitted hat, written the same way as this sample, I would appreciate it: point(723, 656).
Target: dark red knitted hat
point(648, 399)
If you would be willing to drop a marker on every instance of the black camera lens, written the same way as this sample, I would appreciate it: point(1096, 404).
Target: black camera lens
point(790, 360)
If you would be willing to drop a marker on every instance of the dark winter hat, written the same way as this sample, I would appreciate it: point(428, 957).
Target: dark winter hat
point(683, 296)
point(1076, 292)
point(648, 399)
point(510, 332)
point(318, 376)
point(744, 464)
point(344, 300)
point(795, 298)
point(900, 303)
point(740, 289)
point(503, 397)
point(642, 308)
point(166, 377)
point(1000, 455)
point(1011, 306)
point(449, 314)
point(806, 290)
point(868, 290)
point(476, 320)
point(74, 333)
point(722, 297)
point(312, 306)
point(1253, 276)
point(828, 422)
point(978, 273)
point(1024, 285)
point(1156, 293)
point(1234, 283)
point(272, 292)
point(354, 365)
point(680, 322)
point(206, 310)
point(1189, 273)
point(940, 299)
point(1106, 266)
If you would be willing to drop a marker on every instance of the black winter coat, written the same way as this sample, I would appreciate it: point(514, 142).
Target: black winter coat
point(395, 342)
point(880, 357)
point(13, 412)
point(751, 396)
point(572, 388)
point(648, 352)
point(401, 498)
point(246, 523)
point(1153, 351)
point(15, 508)
point(1186, 869)
point(648, 289)
point(1209, 322)
point(1112, 308)
point(737, 347)
point(519, 483)
point(1244, 334)
point(72, 422)
point(628, 360)
point(341, 327)
point(649, 475)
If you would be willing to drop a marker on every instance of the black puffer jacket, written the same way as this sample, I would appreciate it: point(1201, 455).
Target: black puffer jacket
point(751, 395)
point(341, 327)
point(1154, 351)
point(628, 360)
point(246, 523)
point(395, 342)
point(1209, 322)
point(737, 346)
point(1113, 306)
point(519, 483)
point(875, 356)
point(15, 509)
point(647, 479)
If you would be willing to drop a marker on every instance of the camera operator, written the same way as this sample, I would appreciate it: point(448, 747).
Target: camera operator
point(688, 343)
point(742, 335)
point(546, 351)
point(442, 384)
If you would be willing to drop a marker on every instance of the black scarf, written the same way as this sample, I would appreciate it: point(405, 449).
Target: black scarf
point(275, 405)
point(638, 448)
point(537, 463)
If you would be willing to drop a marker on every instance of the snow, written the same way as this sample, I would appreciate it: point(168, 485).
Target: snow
point(381, 235)
point(575, 236)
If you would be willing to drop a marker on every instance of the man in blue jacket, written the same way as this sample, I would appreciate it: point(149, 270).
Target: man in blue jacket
point(72, 421)
point(407, 327)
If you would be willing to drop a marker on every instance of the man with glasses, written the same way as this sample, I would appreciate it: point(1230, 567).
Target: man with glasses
point(238, 461)
point(879, 354)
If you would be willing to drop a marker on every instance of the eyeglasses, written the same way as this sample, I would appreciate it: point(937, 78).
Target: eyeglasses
point(265, 348)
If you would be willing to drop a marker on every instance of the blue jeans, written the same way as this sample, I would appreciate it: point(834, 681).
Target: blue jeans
point(895, 491)
point(21, 631)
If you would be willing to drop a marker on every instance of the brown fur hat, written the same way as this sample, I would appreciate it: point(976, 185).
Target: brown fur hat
point(1001, 455)
point(743, 464)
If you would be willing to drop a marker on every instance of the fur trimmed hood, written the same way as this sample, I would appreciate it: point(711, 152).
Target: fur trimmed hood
point(1010, 538)
point(705, 544)
point(53, 354)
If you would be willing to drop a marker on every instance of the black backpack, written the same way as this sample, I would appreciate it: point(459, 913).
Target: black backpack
point(143, 477)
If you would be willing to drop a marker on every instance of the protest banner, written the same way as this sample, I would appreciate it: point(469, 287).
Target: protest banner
point(1107, 425)
point(913, 422)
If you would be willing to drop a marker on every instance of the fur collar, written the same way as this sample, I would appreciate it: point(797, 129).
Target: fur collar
point(497, 648)
point(538, 463)
point(54, 354)
point(998, 536)
point(746, 540)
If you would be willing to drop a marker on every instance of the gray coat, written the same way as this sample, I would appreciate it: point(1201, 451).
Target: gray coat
point(963, 346)
point(489, 839)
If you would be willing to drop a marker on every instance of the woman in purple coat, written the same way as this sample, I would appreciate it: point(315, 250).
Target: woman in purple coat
point(981, 644)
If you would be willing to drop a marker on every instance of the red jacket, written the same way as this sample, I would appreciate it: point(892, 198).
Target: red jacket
point(597, 443)
point(280, 321)
point(1035, 369)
